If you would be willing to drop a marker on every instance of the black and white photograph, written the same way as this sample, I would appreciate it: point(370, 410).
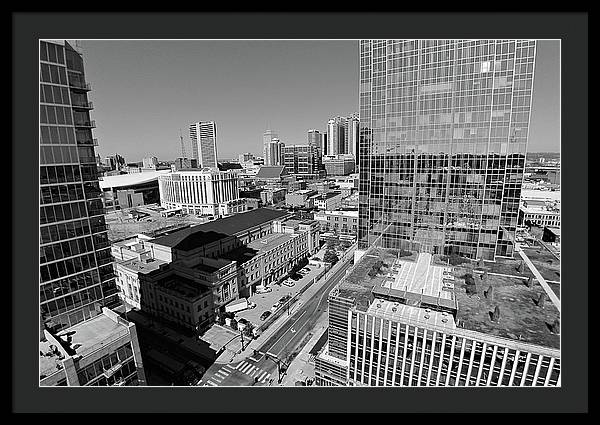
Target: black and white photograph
point(303, 214)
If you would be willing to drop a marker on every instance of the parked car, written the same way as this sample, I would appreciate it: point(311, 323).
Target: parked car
point(251, 304)
point(305, 269)
point(265, 315)
point(275, 307)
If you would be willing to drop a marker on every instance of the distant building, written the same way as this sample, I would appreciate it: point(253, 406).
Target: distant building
point(301, 198)
point(342, 221)
point(130, 190)
point(272, 149)
point(539, 208)
point(328, 201)
point(203, 193)
point(339, 165)
point(245, 157)
point(302, 159)
point(270, 174)
point(101, 351)
point(204, 143)
point(150, 162)
point(273, 195)
point(184, 164)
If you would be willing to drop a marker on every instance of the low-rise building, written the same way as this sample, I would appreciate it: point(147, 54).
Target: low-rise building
point(101, 351)
point(273, 195)
point(339, 165)
point(122, 191)
point(343, 222)
point(328, 201)
point(301, 198)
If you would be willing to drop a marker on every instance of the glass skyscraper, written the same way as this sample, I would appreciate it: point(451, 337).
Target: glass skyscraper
point(442, 143)
point(76, 272)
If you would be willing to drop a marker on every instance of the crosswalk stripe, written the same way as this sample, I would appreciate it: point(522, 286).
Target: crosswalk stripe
point(229, 367)
point(252, 359)
point(211, 383)
point(266, 378)
point(246, 368)
point(239, 366)
point(247, 371)
point(252, 374)
point(262, 375)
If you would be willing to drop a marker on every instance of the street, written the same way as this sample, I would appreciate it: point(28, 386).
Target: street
point(287, 340)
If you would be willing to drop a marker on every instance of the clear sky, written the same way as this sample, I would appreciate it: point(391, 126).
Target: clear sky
point(145, 92)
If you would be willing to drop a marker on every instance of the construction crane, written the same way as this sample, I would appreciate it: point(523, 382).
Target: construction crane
point(182, 145)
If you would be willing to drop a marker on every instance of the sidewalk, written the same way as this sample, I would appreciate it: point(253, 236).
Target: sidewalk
point(230, 356)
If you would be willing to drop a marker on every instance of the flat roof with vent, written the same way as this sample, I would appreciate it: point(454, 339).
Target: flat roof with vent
point(142, 266)
point(415, 283)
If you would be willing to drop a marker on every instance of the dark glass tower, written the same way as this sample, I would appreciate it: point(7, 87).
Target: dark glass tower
point(443, 136)
point(76, 272)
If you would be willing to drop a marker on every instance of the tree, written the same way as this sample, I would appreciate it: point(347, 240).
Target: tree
point(330, 257)
point(234, 324)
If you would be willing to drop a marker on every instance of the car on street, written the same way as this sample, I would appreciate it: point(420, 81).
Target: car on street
point(251, 304)
point(265, 315)
point(275, 307)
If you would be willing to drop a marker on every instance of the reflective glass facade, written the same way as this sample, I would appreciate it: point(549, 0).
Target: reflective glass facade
point(75, 261)
point(442, 142)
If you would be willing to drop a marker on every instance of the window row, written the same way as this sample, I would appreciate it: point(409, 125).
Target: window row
point(60, 174)
point(97, 368)
point(57, 288)
point(72, 301)
point(63, 268)
point(54, 213)
point(61, 193)
point(54, 94)
point(54, 135)
point(53, 74)
point(65, 249)
point(55, 115)
point(58, 232)
point(52, 52)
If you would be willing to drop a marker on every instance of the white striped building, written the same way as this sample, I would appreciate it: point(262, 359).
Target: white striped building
point(203, 192)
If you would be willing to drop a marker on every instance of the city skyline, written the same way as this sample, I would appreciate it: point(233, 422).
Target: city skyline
point(268, 87)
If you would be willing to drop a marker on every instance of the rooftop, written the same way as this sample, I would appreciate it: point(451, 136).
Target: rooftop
point(182, 287)
point(420, 283)
point(143, 266)
point(125, 180)
point(269, 242)
point(81, 339)
point(189, 238)
point(240, 222)
point(270, 172)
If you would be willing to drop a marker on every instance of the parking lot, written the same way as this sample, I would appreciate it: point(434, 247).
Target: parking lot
point(265, 301)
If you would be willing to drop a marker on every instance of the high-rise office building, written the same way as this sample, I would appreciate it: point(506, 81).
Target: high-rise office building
point(274, 152)
point(443, 137)
point(204, 143)
point(351, 135)
point(336, 136)
point(315, 139)
point(76, 272)
point(268, 138)
point(302, 159)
